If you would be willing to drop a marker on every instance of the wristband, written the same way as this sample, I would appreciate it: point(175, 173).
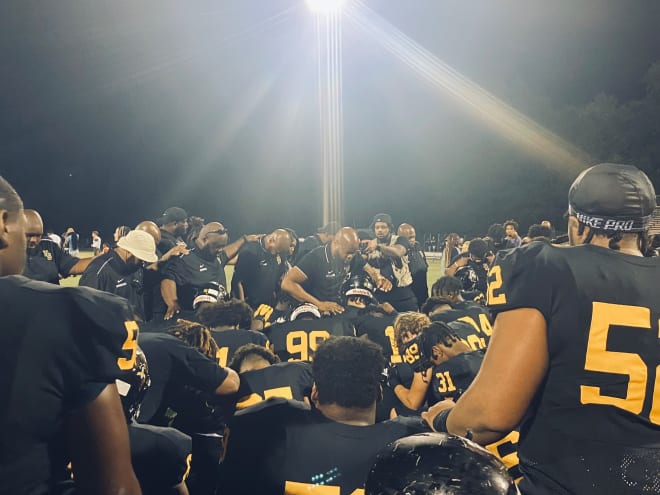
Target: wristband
point(440, 421)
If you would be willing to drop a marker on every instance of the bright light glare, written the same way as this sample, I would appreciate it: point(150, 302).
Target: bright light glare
point(325, 6)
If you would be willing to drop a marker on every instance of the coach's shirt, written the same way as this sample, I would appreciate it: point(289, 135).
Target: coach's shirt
point(296, 448)
point(297, 340)
point(259, 273)
point(593, 426)
point(176, 371)
point(285, 380)
point(110, 273)
point(191, 273)
point(230, 340)
point(47, 262)
point(325, 274)
point(59, 347)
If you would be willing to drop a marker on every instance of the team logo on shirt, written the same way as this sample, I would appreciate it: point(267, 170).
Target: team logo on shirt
point(47, 254)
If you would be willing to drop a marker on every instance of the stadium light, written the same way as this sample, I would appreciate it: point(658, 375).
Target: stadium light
point(325, 6)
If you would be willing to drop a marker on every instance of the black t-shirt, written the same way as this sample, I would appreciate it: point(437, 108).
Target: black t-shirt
point(109, 273)
point(594, 425)
point(477, 317)
point(378, 327)
point(59, 347)
point(160, 456)
point(174, 368)
point(47, 262)
point(307, 245)
point(295, 448)
point(259, 272)
point(191, 273)
point(230, 340)
point(325, 274)
point(297, 340)
point(450, 379)
point(167, 241)
point(285, 380)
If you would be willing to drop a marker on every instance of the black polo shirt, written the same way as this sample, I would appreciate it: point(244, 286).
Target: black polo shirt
point(191, 273)
point(167, 241)
point(47, 262)
point(109, 273)
point(326, 274)
point(259, 272)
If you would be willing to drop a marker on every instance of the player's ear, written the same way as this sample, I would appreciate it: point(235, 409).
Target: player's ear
point(574, 237)
point(380, 394)
point(4, 219)
point(314, 394)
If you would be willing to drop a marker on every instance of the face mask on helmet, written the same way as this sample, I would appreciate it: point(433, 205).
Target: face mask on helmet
point(437, 463)
point(210, 293)
point(358, 285)
point(134, 385)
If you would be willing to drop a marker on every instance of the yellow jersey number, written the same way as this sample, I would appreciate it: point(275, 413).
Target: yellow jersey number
point(599, 359)
point(396, 356)
point(293, 488)
point(130, 345)
point(304, 344)
point(495, 285)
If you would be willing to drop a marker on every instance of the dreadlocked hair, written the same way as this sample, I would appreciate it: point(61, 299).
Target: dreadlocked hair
point(614, 237)
point(195, 335)
point(443, 333)
point(446, 287)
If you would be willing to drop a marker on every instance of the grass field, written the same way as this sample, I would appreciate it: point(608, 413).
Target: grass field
point(432, 276)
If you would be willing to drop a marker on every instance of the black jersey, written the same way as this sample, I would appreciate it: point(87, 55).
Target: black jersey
point(259, 272)
point(230, 340)
point(297, 340)
point(175, 368)
point(594, 424)
point(296, 448)
point(160, 456)
point(378, 328)
point(47, 262)
point(269, 315)
point(110, 273)
point(474, 314)
point(450, 379)
point(59, 346)
point(285, 380)
point(190, 273)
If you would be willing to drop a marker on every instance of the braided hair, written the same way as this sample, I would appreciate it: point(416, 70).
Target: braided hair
point(195, 335)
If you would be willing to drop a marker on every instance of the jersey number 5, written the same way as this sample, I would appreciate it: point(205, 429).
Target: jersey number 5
point(130, 344)
point(601, 360)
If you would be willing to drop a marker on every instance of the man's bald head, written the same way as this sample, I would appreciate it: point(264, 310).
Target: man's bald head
point(212, 237)
point(34, 229)
point(279, 241)
point(407, 230)
point(345, 243)
point(150, 228)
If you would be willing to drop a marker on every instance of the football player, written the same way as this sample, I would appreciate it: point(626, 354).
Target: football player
point(575, 348)
point(333, 444)
point(62, 349)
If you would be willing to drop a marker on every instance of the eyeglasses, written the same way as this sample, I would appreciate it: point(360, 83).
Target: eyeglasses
point(220, 231)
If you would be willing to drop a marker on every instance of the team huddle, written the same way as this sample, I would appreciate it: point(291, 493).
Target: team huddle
point(326, 367)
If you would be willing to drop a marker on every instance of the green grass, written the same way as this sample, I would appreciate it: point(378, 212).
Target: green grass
point(432, 275)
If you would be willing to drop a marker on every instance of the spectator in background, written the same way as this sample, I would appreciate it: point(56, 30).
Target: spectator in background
point(537, 232)
point(96, 242)
point(46, 261)
point(450, 250)
point(496, 237)
point(173, 225)
point(417, 262)
point(512, 238)
point(323, 236)
point(472, 268)
point(72, 242)
point(50, 233)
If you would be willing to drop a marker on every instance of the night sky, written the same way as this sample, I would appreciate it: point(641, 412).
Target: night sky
point(114, 110)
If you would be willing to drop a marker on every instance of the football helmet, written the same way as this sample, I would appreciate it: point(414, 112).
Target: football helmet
point(134, 385)
point(438, 464)
point(210, 293)
point(359, 285)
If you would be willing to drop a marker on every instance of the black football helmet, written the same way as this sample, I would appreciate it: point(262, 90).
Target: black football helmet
point(359, 285)
point(210, 293)
point(438, 464)
point(134, 385)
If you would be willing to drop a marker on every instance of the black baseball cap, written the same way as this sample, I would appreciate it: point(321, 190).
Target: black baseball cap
point(173, 214)
point(382, 217)
point(612, 197)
